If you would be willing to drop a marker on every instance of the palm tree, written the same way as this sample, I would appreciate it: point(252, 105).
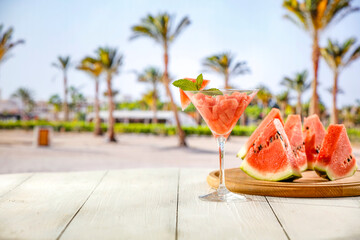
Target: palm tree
point(314, 16)
point(337, 57)
point(27, 100)
point(110, 61)
point(5, 42)
point(152, 76)
point(299, 84)
point(264, 96)
point(55, 101)
point(224, 64)
point(94, 68)
point(283, 100)
point(64, 64)
point(160, 29)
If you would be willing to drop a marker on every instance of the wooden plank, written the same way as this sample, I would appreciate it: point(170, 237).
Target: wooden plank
point(331, 202)
point(8, 182)
point(210, 220)
point(302, 221)
point(129, 204)
point(41, 207)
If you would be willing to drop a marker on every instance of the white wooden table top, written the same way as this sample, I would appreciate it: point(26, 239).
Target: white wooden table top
point(159, 204)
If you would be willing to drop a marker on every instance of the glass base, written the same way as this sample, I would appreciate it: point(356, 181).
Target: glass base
point(224, 195)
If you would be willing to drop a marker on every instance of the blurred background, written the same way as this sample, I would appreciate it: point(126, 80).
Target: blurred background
point(97, 75)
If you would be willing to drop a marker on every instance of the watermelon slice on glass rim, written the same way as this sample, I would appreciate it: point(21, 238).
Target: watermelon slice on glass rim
point(185, 100)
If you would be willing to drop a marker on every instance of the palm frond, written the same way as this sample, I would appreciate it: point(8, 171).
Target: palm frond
point(353, 56)
point(180, 27)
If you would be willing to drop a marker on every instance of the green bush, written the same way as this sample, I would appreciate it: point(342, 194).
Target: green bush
point(140, 128)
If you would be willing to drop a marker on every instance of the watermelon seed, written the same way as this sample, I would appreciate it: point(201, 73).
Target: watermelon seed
point(260, 147)
point(271, 139)
point(350, 157)
point(307, 128)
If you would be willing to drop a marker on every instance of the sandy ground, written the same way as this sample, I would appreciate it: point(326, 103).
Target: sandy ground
point(83, 151)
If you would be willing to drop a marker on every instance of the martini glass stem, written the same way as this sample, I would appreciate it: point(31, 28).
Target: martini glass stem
point(221, 144)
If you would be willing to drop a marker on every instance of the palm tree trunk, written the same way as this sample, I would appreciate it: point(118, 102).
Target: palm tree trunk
point(334, 112)
point(65, 105)
point(314, 104)
point(97, 129)
point(111, 134)
point(227, 80)
point(298, 105)
point(154, 107)
point(181, 133)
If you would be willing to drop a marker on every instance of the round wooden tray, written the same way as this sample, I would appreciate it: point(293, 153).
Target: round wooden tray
point(310, 185)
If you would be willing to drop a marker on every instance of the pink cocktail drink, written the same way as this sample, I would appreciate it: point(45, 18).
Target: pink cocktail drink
point(221, 110)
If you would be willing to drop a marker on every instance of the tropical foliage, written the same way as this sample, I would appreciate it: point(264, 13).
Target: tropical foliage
point(26, 97)
point(93, 67)
point(298, 84)
point(110, 61)
point(153, 77)
point(6, 43)
point(225, 65)
point(63, 63)
point(161, 29)
point(314, 16)
point(338, 56)
point(55, 101)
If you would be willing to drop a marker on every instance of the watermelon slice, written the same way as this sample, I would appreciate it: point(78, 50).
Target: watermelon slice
point(293, 130)
point(185, 101)
point(271, 157)
point(336, 159)
point(314, 133)
point(273, 114)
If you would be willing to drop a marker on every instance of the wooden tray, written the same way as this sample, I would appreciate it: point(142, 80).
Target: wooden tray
point(310, 185)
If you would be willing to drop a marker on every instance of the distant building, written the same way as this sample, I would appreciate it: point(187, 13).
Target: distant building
point(138, 116)
point(10, 110)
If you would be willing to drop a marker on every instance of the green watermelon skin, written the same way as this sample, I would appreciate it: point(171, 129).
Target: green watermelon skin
point(273, 114)
point(336, 159)
point(271, 157)
point(314, 133)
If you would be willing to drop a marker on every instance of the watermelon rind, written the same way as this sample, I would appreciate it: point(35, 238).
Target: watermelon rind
point(332, 176)
point(321, 172)
point(287, 174)
point(242, 153)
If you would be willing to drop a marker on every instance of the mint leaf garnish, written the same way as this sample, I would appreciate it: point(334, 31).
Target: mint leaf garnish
point(212, 92)
point(199, 81)
point(185, 85)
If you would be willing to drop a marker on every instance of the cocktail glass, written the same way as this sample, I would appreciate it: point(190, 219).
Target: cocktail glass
point(221, 111)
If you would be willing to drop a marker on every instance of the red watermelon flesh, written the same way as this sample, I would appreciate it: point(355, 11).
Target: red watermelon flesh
point(314, 133)
point(271, 157)
point(293, 131)
point(336, 159)
point(185, 101)
point(273, 114)
point(221, 112)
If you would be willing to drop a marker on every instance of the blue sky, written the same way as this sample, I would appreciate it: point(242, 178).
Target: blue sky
point(253, 30)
